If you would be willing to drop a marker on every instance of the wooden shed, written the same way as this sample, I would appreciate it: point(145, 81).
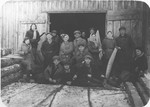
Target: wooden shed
point(106, 15)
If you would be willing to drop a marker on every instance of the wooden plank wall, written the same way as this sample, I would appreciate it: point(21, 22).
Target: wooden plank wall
point(17, 16)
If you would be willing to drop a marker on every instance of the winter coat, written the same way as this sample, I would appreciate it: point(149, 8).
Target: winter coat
point(108, 46)
point(84, 71)
point(127, 47)
point(68, 76)
point(77, 42)
point(78, 56)
point(39, 52)
point(66, 50)
point(141, 63)
point(34, 42)
point(25, 51)
point(48, 51)
point(57, 40)
point(54, 72)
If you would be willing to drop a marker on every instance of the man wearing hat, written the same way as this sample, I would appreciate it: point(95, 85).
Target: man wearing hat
point(87, 73)
point(56, 39)
point(79, 54)
point(124, 57)
point(69, 72)
point(78, 40)
point(53, 74)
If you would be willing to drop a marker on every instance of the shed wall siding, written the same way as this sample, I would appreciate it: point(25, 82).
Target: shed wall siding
point(17, 16)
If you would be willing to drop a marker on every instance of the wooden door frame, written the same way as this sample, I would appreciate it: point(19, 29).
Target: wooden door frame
point(75, 11)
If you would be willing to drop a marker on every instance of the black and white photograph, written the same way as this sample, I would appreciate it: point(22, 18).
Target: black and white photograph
point(75, 53)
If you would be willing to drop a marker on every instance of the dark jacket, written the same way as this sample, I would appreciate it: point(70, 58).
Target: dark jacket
point(34, 42)
point(84, 70)
point(141, 63)
point(49, 48)
point(108, 46)
point(125, 54)
point(54, 72)
point(68, 76)
point(78, 57)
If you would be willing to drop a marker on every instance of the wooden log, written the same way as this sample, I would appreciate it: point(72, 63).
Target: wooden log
point(33, 96)
point(144, 96)
point(145, 83)
point(9, 61)
point(110, 63)
point(71, 96)
point(108, 98)
point(5, 51)
point(10, 70)
point(10, 78)
point(133, 95)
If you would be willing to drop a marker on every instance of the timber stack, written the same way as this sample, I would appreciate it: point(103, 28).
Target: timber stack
point(10, 70)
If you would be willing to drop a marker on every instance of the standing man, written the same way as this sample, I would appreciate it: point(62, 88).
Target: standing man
point(124, 59)
point(34, 38)
point(56, 39)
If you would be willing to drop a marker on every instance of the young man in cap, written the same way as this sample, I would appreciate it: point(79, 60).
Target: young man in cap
point(53, 74)
point(78, 40)
point(88, 73)
point(56, 39)
point(69, 72)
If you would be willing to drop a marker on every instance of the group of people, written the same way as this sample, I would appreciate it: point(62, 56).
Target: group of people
point(82, 61)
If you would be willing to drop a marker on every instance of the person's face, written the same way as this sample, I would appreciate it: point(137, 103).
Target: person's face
point(53, 34)
point(92, 31)
point(109, 35)
point(81, 48)
point(49, 36)
point(33, 27)
point(27, 41)
point(122, 32)
point(56, 61)
point(87, 61)
point(83, 34)
point(66, 66)
point(77, 35)
point(66, 38)
point(138, 52)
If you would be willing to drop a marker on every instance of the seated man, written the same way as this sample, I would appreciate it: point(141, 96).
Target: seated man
point(79, 54)
point(78, 40)
point(87, 74)
point(54, 73)
point(69, 72)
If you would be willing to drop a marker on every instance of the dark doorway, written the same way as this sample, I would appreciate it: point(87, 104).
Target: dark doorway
point(69, 22)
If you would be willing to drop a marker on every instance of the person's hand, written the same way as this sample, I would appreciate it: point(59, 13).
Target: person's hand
point(54, 81)
point(89, 75)
point(75, 76)
point(50, 79)
point(68, 82)
point(118, 47)
point(32, 81)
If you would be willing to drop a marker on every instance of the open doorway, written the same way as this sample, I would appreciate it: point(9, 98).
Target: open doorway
point(69, 22)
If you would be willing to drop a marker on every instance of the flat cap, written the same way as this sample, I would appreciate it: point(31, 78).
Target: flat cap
point(56, 57)
point(77, 31)
point(122, 28)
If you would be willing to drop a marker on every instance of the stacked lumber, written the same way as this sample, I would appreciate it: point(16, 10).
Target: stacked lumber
point(5, 51)
point(10, 70)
